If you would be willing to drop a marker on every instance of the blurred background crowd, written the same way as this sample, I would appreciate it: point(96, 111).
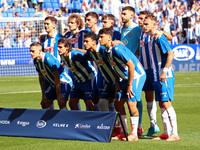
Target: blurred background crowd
point(169, 13)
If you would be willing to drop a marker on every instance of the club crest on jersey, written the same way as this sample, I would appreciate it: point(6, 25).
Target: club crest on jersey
point(49, 49)
point(54, 41)
point(129, 35)
point(44, 72)
point(142, 44)
point(112, 63)
point(99, 62)
point(73, 69)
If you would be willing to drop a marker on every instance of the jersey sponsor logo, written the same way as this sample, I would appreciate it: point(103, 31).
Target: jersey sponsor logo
point(183, 53)
point(44, 72)
point(49, 49)
point(151, 52)
point(142, 44)
point(100, 62)
point(41, 124)
point(74, 40)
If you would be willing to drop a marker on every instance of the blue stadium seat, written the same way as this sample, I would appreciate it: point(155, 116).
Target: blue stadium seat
point(10, 10)
point(31, 14)
point(47, 1)
point(17, 10)
point(31, 10)
point(48, 5)
point(10, 15)
point(54, 1)
point(4, 14)
point(26, 15)
point(56, 5)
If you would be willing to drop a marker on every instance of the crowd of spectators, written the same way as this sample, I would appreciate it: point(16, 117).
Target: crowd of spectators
point(169, 15)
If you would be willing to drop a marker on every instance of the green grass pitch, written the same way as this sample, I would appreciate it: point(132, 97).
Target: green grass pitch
point(24, 92)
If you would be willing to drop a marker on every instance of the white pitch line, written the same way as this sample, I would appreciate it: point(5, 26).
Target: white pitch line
point(20, 92)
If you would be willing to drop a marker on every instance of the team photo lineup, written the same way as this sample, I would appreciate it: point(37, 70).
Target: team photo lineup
point(107, 68)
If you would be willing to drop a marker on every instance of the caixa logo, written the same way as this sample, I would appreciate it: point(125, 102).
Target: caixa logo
point(183, 53)
point(41, 124)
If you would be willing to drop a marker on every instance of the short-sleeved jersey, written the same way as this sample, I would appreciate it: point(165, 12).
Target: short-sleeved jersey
point(48, 65)
point(144, 51)
point(158, 55)
point(118, 56)
point(130, 36)
point(79, 66)
point(77, 40)
point(102, 63)
point(50, 44)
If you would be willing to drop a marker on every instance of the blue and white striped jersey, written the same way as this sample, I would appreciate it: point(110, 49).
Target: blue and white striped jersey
point(158, 54)
point(118, 56)
point(50, 44)
point(103, 63)
point(48, 65)
point(144, 50)
point(77, 40)
point(79, 66)
point(130, 36)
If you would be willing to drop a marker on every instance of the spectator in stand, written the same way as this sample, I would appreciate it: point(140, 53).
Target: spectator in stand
point(6, 42)
point(174, 40)
point(197, 30)
point(17, 15)
point(17, 3)
point(106, 6)
point(27, 40)
point(76, 6)
point(30, 4)
point(84, 7)
point(40, 2)
point(34, 4)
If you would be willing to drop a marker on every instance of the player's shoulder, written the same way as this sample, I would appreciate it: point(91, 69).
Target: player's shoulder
point(83, 31)
point(42, 37)
point(59, 35)
point(67, 34)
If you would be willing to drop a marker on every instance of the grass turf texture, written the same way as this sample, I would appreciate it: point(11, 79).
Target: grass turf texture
point(24, 92)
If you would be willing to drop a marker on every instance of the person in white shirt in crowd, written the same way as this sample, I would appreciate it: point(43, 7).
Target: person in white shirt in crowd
point(197, 30)
point(174, 40)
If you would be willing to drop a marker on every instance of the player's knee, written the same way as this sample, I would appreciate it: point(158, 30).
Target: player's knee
point(103, 104)
point(62, 104)
point(46, 103)
point(90, 105)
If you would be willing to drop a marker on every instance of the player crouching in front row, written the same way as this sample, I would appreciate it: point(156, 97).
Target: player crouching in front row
point(54, 82)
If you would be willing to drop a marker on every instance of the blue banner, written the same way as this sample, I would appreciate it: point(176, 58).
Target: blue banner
point(58, 124)
point(187, 57)
point(184, 52)
point(15, 56)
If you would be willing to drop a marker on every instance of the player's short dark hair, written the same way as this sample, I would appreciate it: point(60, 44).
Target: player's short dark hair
point(106, 31)
point(145, 12)
point(78, 20)
point(36, 44)
point(92, 14)
point(109, 17)
point(53, 19)
point(129, 8)
point(66, 43)
point(91, 35)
